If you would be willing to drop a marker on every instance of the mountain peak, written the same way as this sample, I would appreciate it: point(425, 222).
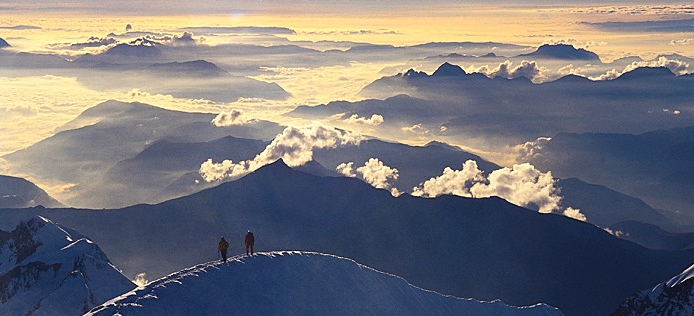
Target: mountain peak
point(4, 43)
point(449, 70)
point(647, 72)
point(563, 51)
point(413, 74)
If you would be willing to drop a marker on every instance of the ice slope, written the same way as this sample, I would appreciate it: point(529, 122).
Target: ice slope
point(46, 269)
point(672, 297)
point(295, 283)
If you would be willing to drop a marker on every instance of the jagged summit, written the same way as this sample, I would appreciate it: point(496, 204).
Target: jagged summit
point(564, 52)
point(295, 283)
point(47, 269)
point(449, 70)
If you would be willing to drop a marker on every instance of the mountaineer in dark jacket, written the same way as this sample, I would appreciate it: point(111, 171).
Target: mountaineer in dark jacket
point(222, 247)
point(249, 242)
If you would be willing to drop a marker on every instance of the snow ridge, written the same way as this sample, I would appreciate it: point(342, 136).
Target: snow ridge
point(295, 283)
point(673, 297)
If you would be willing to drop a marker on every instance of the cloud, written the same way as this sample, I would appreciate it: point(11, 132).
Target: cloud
point(356, 32)
point(270, 30)
point(231, 118)
point(665, 9)
point(374, 172)
point(676, 66)
point(456, 182)
point(521, 184)
point(654, 26)
point(416, 129)
point(574, 213)
point(685, 41)
point(93, 41)
point(346, 169)
point(141, 279)
point(616, 233)
point(531, 150)
point(20, 27)
point(571, 70)
point(527, 69)
point(294, 145)
point(374, 120)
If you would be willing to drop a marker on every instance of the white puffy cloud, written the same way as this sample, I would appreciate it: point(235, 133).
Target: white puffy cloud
point(531, 150)
point(373, 172)
point(141, 278)
point(346, 169)
point(294, 146)
point(374, 120)
point(233, 117)
point(455, 182)
point(527, 69)
point(574, 213)
point(521, 184)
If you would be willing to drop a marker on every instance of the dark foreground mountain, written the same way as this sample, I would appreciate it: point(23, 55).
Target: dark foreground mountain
point(17, 193)
point(482, 248)
point(295, 283)
point(47, 269)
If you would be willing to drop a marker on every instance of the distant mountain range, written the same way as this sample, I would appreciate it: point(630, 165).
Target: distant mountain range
point(652, 236)
point(17, 193)
point(121, 131)
point(296, 283)
point(502, 112)
point(448, 244)
point(654, 166)
point(47, 269)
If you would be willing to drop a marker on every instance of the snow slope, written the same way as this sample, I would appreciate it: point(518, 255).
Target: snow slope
point(673, 297)
point(295, 283)
point(46, 269)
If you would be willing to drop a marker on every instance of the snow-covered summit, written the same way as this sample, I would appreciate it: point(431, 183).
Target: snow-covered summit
point(672, 297)
point(295, 283)
point(46, 269)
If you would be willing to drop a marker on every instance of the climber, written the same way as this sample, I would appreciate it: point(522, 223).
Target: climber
point(222, 247)
point(249, 242)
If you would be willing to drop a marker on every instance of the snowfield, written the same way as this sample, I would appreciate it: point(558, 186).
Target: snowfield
point(295, 283)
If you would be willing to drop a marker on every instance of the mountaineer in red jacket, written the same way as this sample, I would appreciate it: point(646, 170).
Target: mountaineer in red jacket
point(249, 242)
